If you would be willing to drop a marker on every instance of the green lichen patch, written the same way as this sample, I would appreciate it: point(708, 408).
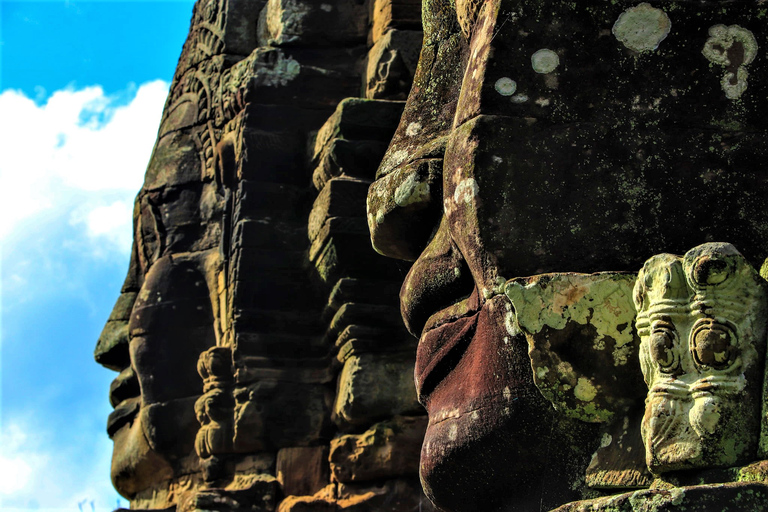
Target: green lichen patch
point(733, 48)
point(642, 28)
point(581, 340)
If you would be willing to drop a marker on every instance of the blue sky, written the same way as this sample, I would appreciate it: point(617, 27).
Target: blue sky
point(82, 85)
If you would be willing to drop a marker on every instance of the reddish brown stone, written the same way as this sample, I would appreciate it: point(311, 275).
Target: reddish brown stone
point(302, 471)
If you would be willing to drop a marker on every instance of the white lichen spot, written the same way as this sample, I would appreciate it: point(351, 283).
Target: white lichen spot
point(412, 191)
point(642, 28)
point(541, 372)
point(733, 48)
point(326, 7)
point(465, 191)
point(519, 98)
point(507, 393)
point(505, 86)
point(584, 390)
point(543, 102)
point(545, 61)
point(413, 129)
point(496, 159)
point(606, 440)
point(510, 323)
point(396, 158)
point(453, 432)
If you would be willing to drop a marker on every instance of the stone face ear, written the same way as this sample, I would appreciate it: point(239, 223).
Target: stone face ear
point(702, 322)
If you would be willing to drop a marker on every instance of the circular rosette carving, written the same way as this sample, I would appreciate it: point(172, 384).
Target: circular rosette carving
point(663, 347)
point(712, 344)
point(710, 270)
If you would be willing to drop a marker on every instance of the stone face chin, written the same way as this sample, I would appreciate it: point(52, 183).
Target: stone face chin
point(135, 466)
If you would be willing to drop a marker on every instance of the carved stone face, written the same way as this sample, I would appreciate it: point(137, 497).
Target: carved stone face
point(170, 321)
point(168, 312)
point(170, 325)
point(554, 136)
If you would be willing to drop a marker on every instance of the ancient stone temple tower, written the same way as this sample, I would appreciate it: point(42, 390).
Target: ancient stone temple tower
point(488, 255)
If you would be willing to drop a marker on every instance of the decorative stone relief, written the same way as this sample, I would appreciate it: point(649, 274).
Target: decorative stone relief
point(214, 409)
point(702, 322)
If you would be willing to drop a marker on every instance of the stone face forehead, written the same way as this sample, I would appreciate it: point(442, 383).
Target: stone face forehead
point(596, 134)
point(617, 117)
point(696, 64)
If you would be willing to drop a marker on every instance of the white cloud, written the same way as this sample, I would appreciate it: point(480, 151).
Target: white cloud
point(37, 473)
point(16, 466)
point(79, 157)
point(70, 168)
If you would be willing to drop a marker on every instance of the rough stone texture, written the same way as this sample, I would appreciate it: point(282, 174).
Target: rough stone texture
point(309, 23)
point(389, 14)
point(302, 471)
point(392, 64)
point(373, 386)
point(386, 450)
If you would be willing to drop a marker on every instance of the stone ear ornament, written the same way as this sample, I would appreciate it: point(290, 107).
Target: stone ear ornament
point(663, 347)
point(713, 345)
point(702, 324)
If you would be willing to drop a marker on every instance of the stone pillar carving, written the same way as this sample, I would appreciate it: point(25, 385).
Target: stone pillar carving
point(702, 322)
point(214, 410)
